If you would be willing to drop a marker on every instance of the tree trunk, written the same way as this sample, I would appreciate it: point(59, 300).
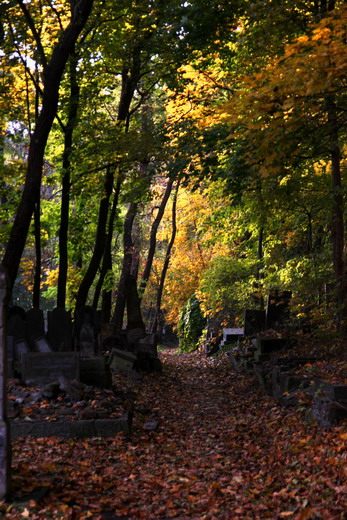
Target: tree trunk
point(126, 266)
point(31, 192)
point(338, 208)
point(66, 184)
point(100, 241)
point(37, 274)
point(156, 322)
point(153, 238)
point(107, 259)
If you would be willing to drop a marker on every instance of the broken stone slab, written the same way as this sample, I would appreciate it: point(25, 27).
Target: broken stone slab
point(289, 382)
point(41, 368)
point(326, 412)
point(121, 359)
point(81, 429)
point(334, 392)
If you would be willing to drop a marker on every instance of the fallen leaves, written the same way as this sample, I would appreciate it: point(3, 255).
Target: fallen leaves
point(222, 446)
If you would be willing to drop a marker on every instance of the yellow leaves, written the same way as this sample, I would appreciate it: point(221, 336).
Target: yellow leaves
point(195, 101)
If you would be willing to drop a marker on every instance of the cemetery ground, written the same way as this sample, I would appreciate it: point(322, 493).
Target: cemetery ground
point(207, 443)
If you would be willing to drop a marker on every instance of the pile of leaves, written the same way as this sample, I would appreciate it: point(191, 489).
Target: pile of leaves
point(66, 400)
point(222, 449)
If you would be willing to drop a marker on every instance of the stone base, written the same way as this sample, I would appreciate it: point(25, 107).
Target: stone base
point(72, 429)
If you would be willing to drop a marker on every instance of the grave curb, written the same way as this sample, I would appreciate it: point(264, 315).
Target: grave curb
point(72, 429)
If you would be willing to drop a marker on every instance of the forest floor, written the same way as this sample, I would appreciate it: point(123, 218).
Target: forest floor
point(207, 443)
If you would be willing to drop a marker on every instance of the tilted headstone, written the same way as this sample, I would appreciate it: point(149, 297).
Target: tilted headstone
point(121, 359)
point(59, 333)
point(254, 321)
point(5, 448)
point(277, 308)
point(87, 331)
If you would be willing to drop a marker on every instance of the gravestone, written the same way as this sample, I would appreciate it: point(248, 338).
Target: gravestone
point(5, 448)
point(87, 331)
point(121, 360)
point(59, 333)
point(36, 331)
point(277, 308)
point(231, 336)
point(17, 336)
point(254, 322)
point(38, 368)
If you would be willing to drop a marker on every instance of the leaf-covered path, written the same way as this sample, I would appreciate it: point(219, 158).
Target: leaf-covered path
point(222, 450)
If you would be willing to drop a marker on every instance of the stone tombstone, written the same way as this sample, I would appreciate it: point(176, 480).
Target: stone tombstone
point(5, 448)
point(254, 322)
point(17, 335)
point(38, 368)
point(35, 326)
point(277, 308)
point(59, 333)
point(87, 331)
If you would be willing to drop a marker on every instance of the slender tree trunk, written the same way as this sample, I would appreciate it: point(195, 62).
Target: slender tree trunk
point(100, 241)
point(126, 266)
point(37, 273)
point(338, 208)
point(31, 192)
point(153, 238)
point(107, 258)
point(66, 184)
point(156, 322)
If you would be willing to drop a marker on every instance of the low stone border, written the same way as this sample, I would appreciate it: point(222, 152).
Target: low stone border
point(72, 429)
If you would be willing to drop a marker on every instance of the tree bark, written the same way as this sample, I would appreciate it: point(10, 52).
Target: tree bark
point(126, 266)
point(37, 273)
point(31, 193)
point(107, 258)
point(66, 184)
point(156, 322)
point(338, 207)
point(100, 241)
point(153, 239)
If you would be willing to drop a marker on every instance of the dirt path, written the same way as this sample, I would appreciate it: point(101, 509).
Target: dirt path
point(222, 450)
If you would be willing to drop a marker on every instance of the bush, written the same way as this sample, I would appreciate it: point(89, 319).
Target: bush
point(190, 325)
